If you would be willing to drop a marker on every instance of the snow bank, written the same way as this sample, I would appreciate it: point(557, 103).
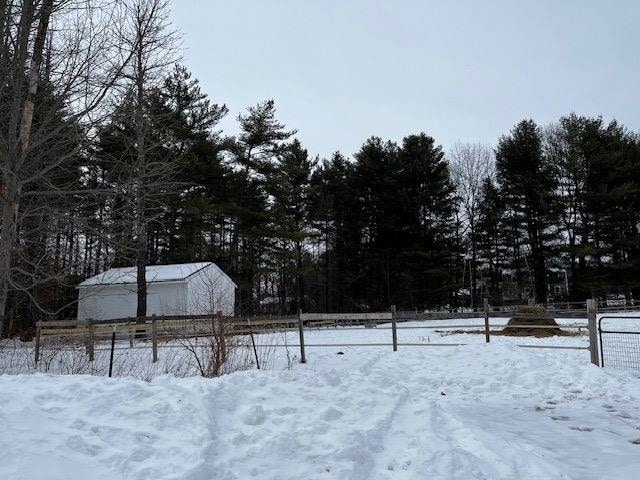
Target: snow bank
point(480, 411)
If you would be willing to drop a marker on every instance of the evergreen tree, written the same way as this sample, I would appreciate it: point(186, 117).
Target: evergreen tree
point(426, 204)
point(492, 242)
point(332, 215)
point(189, 119)
point(528, 187)
point(613, 206)
point(255, 151)
point(398, 230)
point(596, 166)
point(289, 186)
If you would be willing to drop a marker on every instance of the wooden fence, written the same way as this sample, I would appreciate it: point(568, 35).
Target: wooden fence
point(163, 329)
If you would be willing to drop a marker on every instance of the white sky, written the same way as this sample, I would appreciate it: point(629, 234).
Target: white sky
point(343, 70)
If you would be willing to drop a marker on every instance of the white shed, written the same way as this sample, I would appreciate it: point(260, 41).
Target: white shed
point(184, 289)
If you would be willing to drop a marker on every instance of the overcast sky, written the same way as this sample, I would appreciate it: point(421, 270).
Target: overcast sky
point(343, 70)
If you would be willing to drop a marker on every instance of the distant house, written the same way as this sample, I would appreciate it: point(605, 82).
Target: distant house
point(184, 289)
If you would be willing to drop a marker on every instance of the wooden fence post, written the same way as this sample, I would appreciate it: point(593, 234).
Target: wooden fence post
point(303, 358)
point(154, 337)
point(222, 340)
point(592, 312)
point(394, 328)
point(487, 335)
point(38, 334)
point(130, 334)
point(91, 340)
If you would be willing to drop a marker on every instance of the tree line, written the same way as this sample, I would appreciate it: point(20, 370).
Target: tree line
point(111, 155)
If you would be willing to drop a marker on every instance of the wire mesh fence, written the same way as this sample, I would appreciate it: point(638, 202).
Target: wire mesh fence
point(621, 350)
point(620, 342)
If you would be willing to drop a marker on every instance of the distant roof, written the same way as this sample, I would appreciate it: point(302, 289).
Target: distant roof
point(154, 273)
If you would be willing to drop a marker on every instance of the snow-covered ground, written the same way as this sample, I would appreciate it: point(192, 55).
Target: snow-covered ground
point(477, 411)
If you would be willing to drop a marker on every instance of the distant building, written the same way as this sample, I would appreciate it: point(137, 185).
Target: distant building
point(558, 284)
point(184, 289)
point(509, 292)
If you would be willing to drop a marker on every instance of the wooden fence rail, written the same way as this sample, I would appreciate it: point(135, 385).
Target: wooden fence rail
point(165, 328)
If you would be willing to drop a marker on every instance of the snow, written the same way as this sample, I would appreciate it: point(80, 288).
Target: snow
point(479, 411)
point(154, 273)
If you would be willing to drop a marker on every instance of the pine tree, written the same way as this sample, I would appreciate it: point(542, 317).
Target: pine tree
point(331, 214)
point(189, 119)
point(255, 151)
point(289, 186)
point(596, 166)
point(426, 204)
point(398, 233)
point(492, 243)
point(528, 186)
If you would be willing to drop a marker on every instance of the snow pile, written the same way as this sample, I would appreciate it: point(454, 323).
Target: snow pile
point(479, 411)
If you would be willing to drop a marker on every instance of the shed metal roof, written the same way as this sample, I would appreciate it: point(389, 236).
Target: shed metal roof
point(154, 273)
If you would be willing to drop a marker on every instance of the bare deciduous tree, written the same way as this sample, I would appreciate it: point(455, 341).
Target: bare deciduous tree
point(471, 164)
point(153, 46)
point(69, 47)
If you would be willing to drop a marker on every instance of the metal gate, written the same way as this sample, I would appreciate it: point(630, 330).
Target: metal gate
point(620, 342)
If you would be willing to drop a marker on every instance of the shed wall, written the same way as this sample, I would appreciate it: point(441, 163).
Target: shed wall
point(106, 302)
point(211, 291)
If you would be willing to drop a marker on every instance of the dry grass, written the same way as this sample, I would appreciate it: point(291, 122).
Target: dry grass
point(210, 351)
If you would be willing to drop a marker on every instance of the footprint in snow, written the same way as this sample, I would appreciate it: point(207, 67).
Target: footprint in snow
point(560, 417)
point(285, 411)
point(392, 466)
point(255, 416)
point(542, 408)
point(624, 415)
point(77, 443)
point(332, 414)
point(582, 429)
point(635, 441)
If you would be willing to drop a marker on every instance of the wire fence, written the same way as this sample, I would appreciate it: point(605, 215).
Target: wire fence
point(209, 344)
point(619, 339)
point(156, 333)
point(205, 333)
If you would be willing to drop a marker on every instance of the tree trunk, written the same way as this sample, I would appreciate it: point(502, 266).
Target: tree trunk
point(12, 187)
point(539, 268)
point(540, 276)
point(299, 277)
point(8, 228)
point(141, 250)
point(141, 223)
point(327, 261)
point(34, 74)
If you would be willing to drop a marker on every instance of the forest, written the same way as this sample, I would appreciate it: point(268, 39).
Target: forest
point(111, 154)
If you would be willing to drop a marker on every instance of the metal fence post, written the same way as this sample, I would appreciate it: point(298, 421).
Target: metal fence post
point(487, 334)
point(394, 329)
point(303, 357)
point(113, 347)
point(154, 337)
point(253, 342)
point(592, 312)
